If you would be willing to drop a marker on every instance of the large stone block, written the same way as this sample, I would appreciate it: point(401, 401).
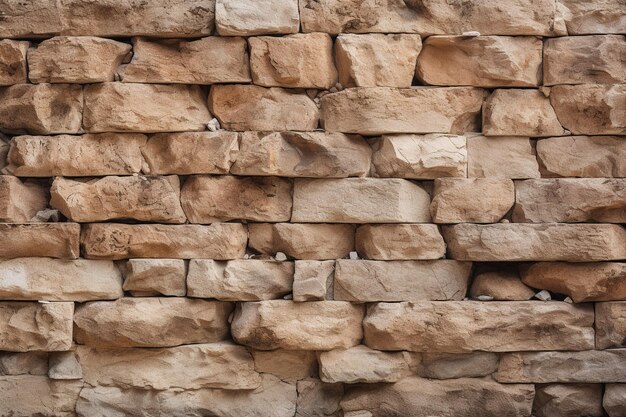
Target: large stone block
point(288, 365)
point(501, 284)
point(155, 276)
point(567, 400)
point(313, 280)
point(614, 400)
point(24, 363)
point(610, 325)
point(399, 241)
point(54, 240)
point(318, 398)
point(464, 326)
point(20, 200)
point(34, 395)
point(501, 157)
point(239, 17)
point(13, 62)
point(457, 365)
point(584, 17)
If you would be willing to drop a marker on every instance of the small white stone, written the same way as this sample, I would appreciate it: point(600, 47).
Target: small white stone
point(569, 300)
point(288, 297)
point(471, 34)
point(484, 298)
point(543, 295)
point(47, 215)
point(213, 125)
point(280, 256)
point(354, 255)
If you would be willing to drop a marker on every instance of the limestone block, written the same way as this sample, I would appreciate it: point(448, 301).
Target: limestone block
point(583, 17)
point(500, 285)
point(155, 276)
point(313, 280)
point(242, 18)
point(316, 398)
point(457, 365)
point(54, 240)
point(610, 325)
point(399, 241)
point(288, 365)
point(64, 365)
point(20, 200)
point(13, 62)
point(24, 363)
point(53, 398)
point(501, 157)
point(568, 400)
point(614, 400)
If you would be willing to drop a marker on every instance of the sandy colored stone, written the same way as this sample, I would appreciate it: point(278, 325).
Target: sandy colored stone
point(399, 241)
point(317, 398)
point(302, 241)
point(30, 19)
point(53, 398)
point(501, 157)
point(591, 366)
point(536, 242)
point(20, 200)
point(41, 109)
point(302, 60)
point(464, 326)
point(316, 325)
point(207, 60)
point(24, 363)
point(583, 156)
point(155, 276)
point(500, 285)
point(119, 107)
point(251, 107)
point(614, 400)
point(481, 61)
point(13, 62)
point(610, 325)
point(54, 240)
point(4, 150)
point(570, 200)
point(359, 200)
point(377, 60)
point(380, 110)
point(240, 17)
point(151, 322)
point(471, 200)
point(76, 60)
point(603, 112)
point(239, 279)
point(584, 17)
point(64, 365)
point(313, 280)
point(148, 199)
point(302, 154)
point(582, 282)
point(122, 241)
point(568, 400)
point(35, 326)
point(207, 199)
point(286, 364)
point(457, 365)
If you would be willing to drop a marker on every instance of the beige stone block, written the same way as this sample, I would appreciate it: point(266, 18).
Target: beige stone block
point(20, 200)
point(399, 241)
point(614, 400)
point(584, 17)
point(318, 398)
point(64, 365)
point(24, 363)
point(241, 18)
point(500, 285)
point(501, 157)
point(13, 62)
point(53, 398)
point(457, 365)
point(289, 365)
point(610, 325)
point(313, 280)
point(155, 276)
point(54, 240)
point(565, 400)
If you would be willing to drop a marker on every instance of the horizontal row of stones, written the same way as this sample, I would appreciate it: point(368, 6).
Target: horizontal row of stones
point(127, 107)
point(311, 61)
point(194, 18)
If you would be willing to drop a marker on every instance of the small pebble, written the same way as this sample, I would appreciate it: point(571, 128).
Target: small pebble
point(569, 300)
point(354, 255)
point(288, 297)
point(213, 125)
point(484, 298)
point(471, 34)
point(280, 256)
point(543, 295)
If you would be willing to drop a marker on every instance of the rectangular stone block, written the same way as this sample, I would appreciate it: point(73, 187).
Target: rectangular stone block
point(556, 400)
point(155, 276)
point(465, 326)
point(241, 18)
point(399, 241)
point(457, 365)
point(289, 365)
point(614, 399)
point(53, 398)
point(584, 17)
point(501, 157)
point(13, 62)
point(20, 200)
point(610, 325)
point(54, 240)
point(313, 280)
point(24, 363)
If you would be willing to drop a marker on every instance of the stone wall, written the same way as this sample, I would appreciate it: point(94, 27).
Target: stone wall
point(357, 208)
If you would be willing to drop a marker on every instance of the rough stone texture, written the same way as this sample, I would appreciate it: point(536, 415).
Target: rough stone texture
point(367, 281)
point(399, 241)
point(205, 61)
point(316, 325)
point(150, 322)
point(250, 107)
point(119, 107)
point(122, 241)
point(20, 201)
point(239, 17)
point(302, 154)
point(148, 199)
point(24, 363)
point(50, 240)
point(316, 398)
point(357, 200)
point(35, 326)
point(377, 60)
point(155, 276)
point(64, 365)
point(463, 326)
point(610, 325)
point(76, 59)
point(288, 365)
point(614, 400)
point(568, 400)
point(501, 157)
point(570, 200)
point(536, 242)
point(482, 61)
point(53, 398)
point(457, 365)
point(380, 110)
point(420, 156)
point(313, 280)
point(13, 62)
point(583, 17)
point(302, 241)
point(501, 285)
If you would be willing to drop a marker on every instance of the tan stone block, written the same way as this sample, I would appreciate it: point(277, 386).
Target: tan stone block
point(399, 241)
point(610, 325)
point(53, 398)
point(54, 240)
point(239, 17)
point(565, 400)
point(584, 17)
point(502, 157)
point(24, 363)
point(64, 365)
point(318, 398)
point(500, 285)
point(313, 280)
point(614, 400)
point(290, 365)
point(155, 276)
point(13, 62)
point(42, 18)
point(457, 365)
point(20, 200)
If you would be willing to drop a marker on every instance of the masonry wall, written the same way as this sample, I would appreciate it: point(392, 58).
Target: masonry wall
point(358, 208)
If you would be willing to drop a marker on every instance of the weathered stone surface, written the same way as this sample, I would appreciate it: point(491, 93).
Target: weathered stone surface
point(610, 325)
point(482, 61)
point(399, 241)
point(362, 364)
point(155, 276)
point(614, 400)
point(122, 241)
point(583, 17)
point(380, 110)
point(583, 156)
point(240, 279)
point(59, 280)
point(76, 156)
point(568, 400)
point(359, 200)
point(240, 18)
point(64, 365)
point(54, 240)
point(30, 19)
point(4, 150)
point(457, 365)
point(471, 200)
point(20, 201)
point(119, 107)
point(313, 280)
point(41, 109)
point(592, 366)
point(420, 156)
point(570, 200)
point(151, 199)
point(536, 242)
point(377, 60)
point(212, 365)
point(420, 396)
point(502, 157)
point(151, 322)
point(207, 199)
point(31, 395)
point(13, 62)
point(24, 363)
point(582, 282)
point(302, 154)
point(303, 60)
point(463, 326)
point(519, 112)
point(316, 325)
point(368, 281)
point(207, 60)
point(603, 112)
point(316, 398)
point(302, 241)
point(251, 107)
point(286, 364)
point(76, 59)
point(500, 285)
point(35, 326)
